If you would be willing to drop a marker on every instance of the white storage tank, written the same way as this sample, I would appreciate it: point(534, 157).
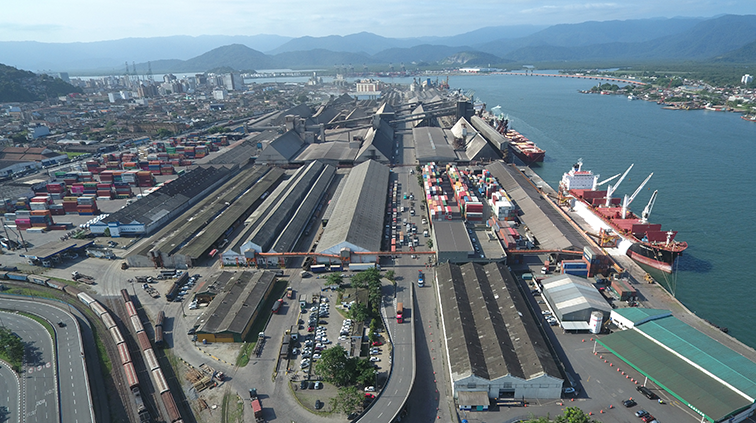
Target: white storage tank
point(594, 325)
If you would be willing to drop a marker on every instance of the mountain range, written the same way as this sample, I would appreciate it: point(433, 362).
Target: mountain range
point(726, 39)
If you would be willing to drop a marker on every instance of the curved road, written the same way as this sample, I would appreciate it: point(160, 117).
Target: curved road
point(73, 384)
point(39, 402)
point(9, 394)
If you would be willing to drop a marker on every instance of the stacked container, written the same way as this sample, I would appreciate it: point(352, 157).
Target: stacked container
point(155, 167)
point(104, 191)
point(70, 204)
point(40, 218)
point(22, 203)
point(122, 190)
point(23, 219)
point(145, 179)
point(87, 206)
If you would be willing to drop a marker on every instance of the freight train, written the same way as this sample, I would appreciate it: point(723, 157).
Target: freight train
point(150, 359)
point(161, 385)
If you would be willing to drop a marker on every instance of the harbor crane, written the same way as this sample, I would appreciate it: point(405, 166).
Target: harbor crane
point(649, 207)
point(611, 188)
point(627, 200)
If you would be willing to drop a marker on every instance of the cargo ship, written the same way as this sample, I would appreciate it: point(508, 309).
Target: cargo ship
point(520, 145)
point(650, 245)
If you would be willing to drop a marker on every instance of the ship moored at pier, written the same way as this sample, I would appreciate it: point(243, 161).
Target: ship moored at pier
point(650, 246)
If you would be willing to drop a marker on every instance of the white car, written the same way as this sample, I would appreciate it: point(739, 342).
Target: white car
point(370, 389)
point(375, 352)
point(374, 359)
point(316, 356)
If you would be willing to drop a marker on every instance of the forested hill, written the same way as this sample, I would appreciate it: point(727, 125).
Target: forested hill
point(23, 86)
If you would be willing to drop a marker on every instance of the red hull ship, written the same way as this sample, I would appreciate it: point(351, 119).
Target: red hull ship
point(650, 244)
point(520, 145)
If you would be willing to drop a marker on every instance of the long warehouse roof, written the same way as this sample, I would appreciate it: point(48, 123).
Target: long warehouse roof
point(358, 216)
point(176, 233)
point(490, 330)
point(204, 240)
point(232, 309)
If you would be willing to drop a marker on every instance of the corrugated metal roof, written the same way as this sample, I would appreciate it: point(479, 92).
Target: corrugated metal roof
point(686, 381)
point(358, 216)
point(273, 222)
point(698, 348)
point(232, 309)
point(549, 228)
point(490, 331)
point(431, 145)
point(220, 224)
point(568, 294)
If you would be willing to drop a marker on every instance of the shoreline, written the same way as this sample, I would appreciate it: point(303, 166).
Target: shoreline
point(652, 295)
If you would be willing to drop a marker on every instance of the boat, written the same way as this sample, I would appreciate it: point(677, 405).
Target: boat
point(750, 118)
point(520, 146)
point(649, 244)
point(523, 148)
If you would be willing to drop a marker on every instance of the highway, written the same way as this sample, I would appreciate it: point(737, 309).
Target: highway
point(10, 391)
point(72, 389)
point(39, 402)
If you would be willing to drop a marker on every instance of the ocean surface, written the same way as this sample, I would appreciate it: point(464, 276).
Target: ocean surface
point(703, 165)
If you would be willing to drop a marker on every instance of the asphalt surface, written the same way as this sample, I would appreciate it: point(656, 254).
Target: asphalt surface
point(39, 402)
point(10, 394)
point(72, 388)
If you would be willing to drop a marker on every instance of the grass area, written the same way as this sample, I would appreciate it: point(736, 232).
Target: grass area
point(232, 408)
point(245, 353)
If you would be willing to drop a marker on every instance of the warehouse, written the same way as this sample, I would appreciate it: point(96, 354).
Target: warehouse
point(452, 242)
point(713, 380)
point(277, 224)
point(573, 299)
point(432, 145)
point(230, 316)
point(186, 238)
point(378, 144)
point(149, 213)
point(493, 343)
point(357, 220)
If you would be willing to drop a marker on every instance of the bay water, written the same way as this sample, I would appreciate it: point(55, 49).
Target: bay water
point(703, 165)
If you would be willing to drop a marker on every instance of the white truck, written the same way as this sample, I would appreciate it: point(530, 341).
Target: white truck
point(356, 267)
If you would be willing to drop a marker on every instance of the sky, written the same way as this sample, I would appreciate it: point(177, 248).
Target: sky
point(96, 20)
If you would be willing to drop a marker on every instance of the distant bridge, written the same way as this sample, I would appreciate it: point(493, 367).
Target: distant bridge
point(558, 75)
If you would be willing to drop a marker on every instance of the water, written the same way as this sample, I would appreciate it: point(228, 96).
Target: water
point(703, 165)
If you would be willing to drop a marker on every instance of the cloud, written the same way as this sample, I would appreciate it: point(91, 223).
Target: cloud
point(573, 7)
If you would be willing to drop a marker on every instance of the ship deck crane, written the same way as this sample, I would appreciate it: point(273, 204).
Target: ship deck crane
point(610, 190)
point(627, 200)
point(606, 180)
point(649, 207)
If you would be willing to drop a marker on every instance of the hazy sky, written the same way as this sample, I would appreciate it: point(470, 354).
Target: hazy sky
point(95, 20)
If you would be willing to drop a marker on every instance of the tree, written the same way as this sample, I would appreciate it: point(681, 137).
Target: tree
point(429, 244)
point(390, 275)
point(347, 400)
point(573, 415)
point(164, 133)
point(334, 365)
point(11, 348)
point(358, 312)
point(365, 372)
point(334, 279)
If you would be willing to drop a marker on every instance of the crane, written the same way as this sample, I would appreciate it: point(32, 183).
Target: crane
point(610, 190)
point(627, 200)
point(649, 207)
point(606, 180)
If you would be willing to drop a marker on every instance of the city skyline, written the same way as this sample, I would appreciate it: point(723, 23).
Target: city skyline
point(90, 21)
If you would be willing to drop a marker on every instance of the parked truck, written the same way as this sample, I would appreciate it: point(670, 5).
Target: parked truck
point(318, 268)
point(257, 409)
point(277, 305)
point(356, 267)
point(78, 277)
